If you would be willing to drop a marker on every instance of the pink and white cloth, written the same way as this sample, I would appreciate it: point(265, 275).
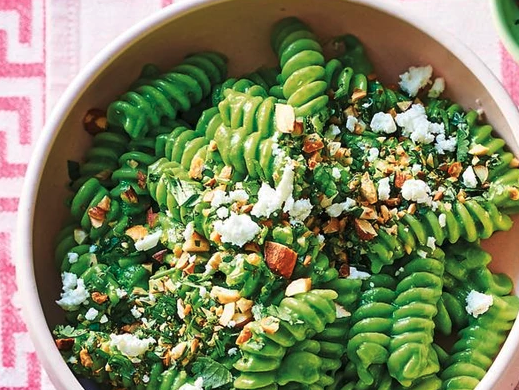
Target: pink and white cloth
point(45, 43)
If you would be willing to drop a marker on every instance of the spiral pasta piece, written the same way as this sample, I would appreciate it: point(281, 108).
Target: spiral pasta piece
point(371, 322)
point(418, 291)
point(142, 109)
point(264, 352)
point(302, 66)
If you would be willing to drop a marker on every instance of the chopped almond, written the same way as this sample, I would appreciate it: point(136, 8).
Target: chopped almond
point(479, 150)
point(333, 226)
point(513, 193)
point(86, 360)
point(253, 259)
point(130, 196)
point(196, 244)
point(411, 209)
point(298, 128)
point(183, 261)
point(137, 232)
point(312, 143)
point(358, 94)
point(314, 160)
point(392, 202)
point(196, 168)
point(400, 179)
point(270, 325)
point(438, 195)
point(455, 169)
point(298, 286)
point(481, 172)
point(152, 218)
point(190, 269)
point(285, 118)
point(280, 259)
point(242, 319)
point(244, 336)
point(404, 105)
point(215, 260)
point(99, 298)
point(341, 312)
point(178, 350)
point(141, 180)
point(367, 189)
point(251, 247)
point(194, 345)
point(226, 173)
point(227, 314)
point(65, 344)
point(364, 229)
point(244, 305)
point(225, 295)
point(368, 213)
point(215, 237)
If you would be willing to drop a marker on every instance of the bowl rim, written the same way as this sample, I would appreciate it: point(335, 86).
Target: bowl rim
point(506, 36)
point(32, 312)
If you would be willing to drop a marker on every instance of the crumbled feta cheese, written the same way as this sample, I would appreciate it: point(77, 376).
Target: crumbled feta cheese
point(351, 122)
point(298, 210)
point(222, 213)
point(232, 351)
point(72, 257)
point(421, 253)
point(442, 220)
point(145, 378)
point(332, 132)
point(190, 230)
point(130, 345)
point(415, 79)
point(399, 271)
point(478, 303)
point(337, 209)
point(135, 312)
point(445, 144)
point(239, 196)
point(356, 274)
point(103, 319)
point(91, 314)
point(120, 293)
point(92, 248)
point(285, 117)
point(383, 123)
point(336, 173)
point(320, 238)
point(437, 88)
point(149, 241)
point(469, 178)
point(373, 154)
point(270, 200)
point(238, 229)
point(199, 383)
point(415, 125)
point(219, 198)
point(416, 190)
point(431, 242)
point(74, 291)
point(384, 189)
point(416, 168)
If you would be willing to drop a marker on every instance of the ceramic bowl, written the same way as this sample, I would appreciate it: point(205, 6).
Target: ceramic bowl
point(240, 29)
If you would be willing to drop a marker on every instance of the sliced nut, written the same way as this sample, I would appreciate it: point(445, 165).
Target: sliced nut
point(137, 232)
point(98, 297)
point(455, 169)
point(513, 193)
point(411, 209)
point(367, 189)
point(358, 94)
point(312, 143)
point(242, 319)
point(299, 128)
point(196, 243)
point(215, 237)
point(298, 286)
point(97, 216)
point(481, 172)
point(178, 350)
point(479, 150)
point(94, 121)
point(215, 260)
point(253, 259)
point(194, 345)
point(141, 180)
point(393, 202)
point(270, 325)
point(285, 118)
point(225, 295)
point(341, 312)
point(196, 168)
point(280, 259)
point(227, 314)
point(364, 229)
point(244, 336)
point(251, 247)
point(333, 226)
point(226, 173)
point(400, 179)
point(314, 160)
point(152, 218)
point(404, 106)
point(368, 213)
point(130, 196)
point(514, 163)
point(85, 359)
point(244, 305)
point(65, 344)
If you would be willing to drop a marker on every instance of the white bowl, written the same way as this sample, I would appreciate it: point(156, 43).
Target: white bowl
point(394, 41)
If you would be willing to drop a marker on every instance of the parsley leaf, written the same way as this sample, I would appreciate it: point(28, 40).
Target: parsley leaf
point(213, 373)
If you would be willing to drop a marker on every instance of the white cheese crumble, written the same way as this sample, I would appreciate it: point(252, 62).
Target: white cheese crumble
point(222, 213)
point(431, 242)
point(130, 345)
point(337, 209)
point(232, 351)
point(270, 200)
point(415, 125)
point(384, 189)
point(149, 241)
point(416, 190)
point(198, 385)
point(469, 178)
point(336, 173)
point(189, 231)
point(74, 291)
point(285, 117)
point(373, 154)
point(356, 274)
point(478, 303)
point(135, 312)
point(219, 198)
point(120, 293)
point(103, 319)
point(437, 88)
point(415, 79)
point(421, 253)
point(239, 196)
point(91, 314)
point(442, 220)
point(351, 122)
point(298, 210)
point(145, 378)
point(72, 257)
point(445, 144)
point(332, 132)
point(238, 229)
point(383, 123)
point(416, 168)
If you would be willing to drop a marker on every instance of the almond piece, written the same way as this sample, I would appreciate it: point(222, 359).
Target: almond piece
point(280, 259)
point(367, 189)
point(284, 118)
point(227, 314)
point(298, 286)
point(226, 173)
point(196, 243)
point(94, 121)
point(215, 260)
point(242, 319)
point(86, 360)
point(225, 295)
point(358, 94)
point(481, 172)
point(312, 143)
point(141, 180)
point(244, 305)
point(478, 150)
point(400, 179)
point(65, 344)
point(244, 336)
point(341, 312)
point(253, 259)
point(137, 232)
point(364, 229)
point(455, 169)
point(99, 298)
point(196, 168)
point(130, 196)
point(404, 105)
point(270, 325)
point(177, 351)
point(333, 226)
point(314, 160)
point(368, 213)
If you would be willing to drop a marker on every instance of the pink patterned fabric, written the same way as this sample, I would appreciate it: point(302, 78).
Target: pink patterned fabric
point(37, 63)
